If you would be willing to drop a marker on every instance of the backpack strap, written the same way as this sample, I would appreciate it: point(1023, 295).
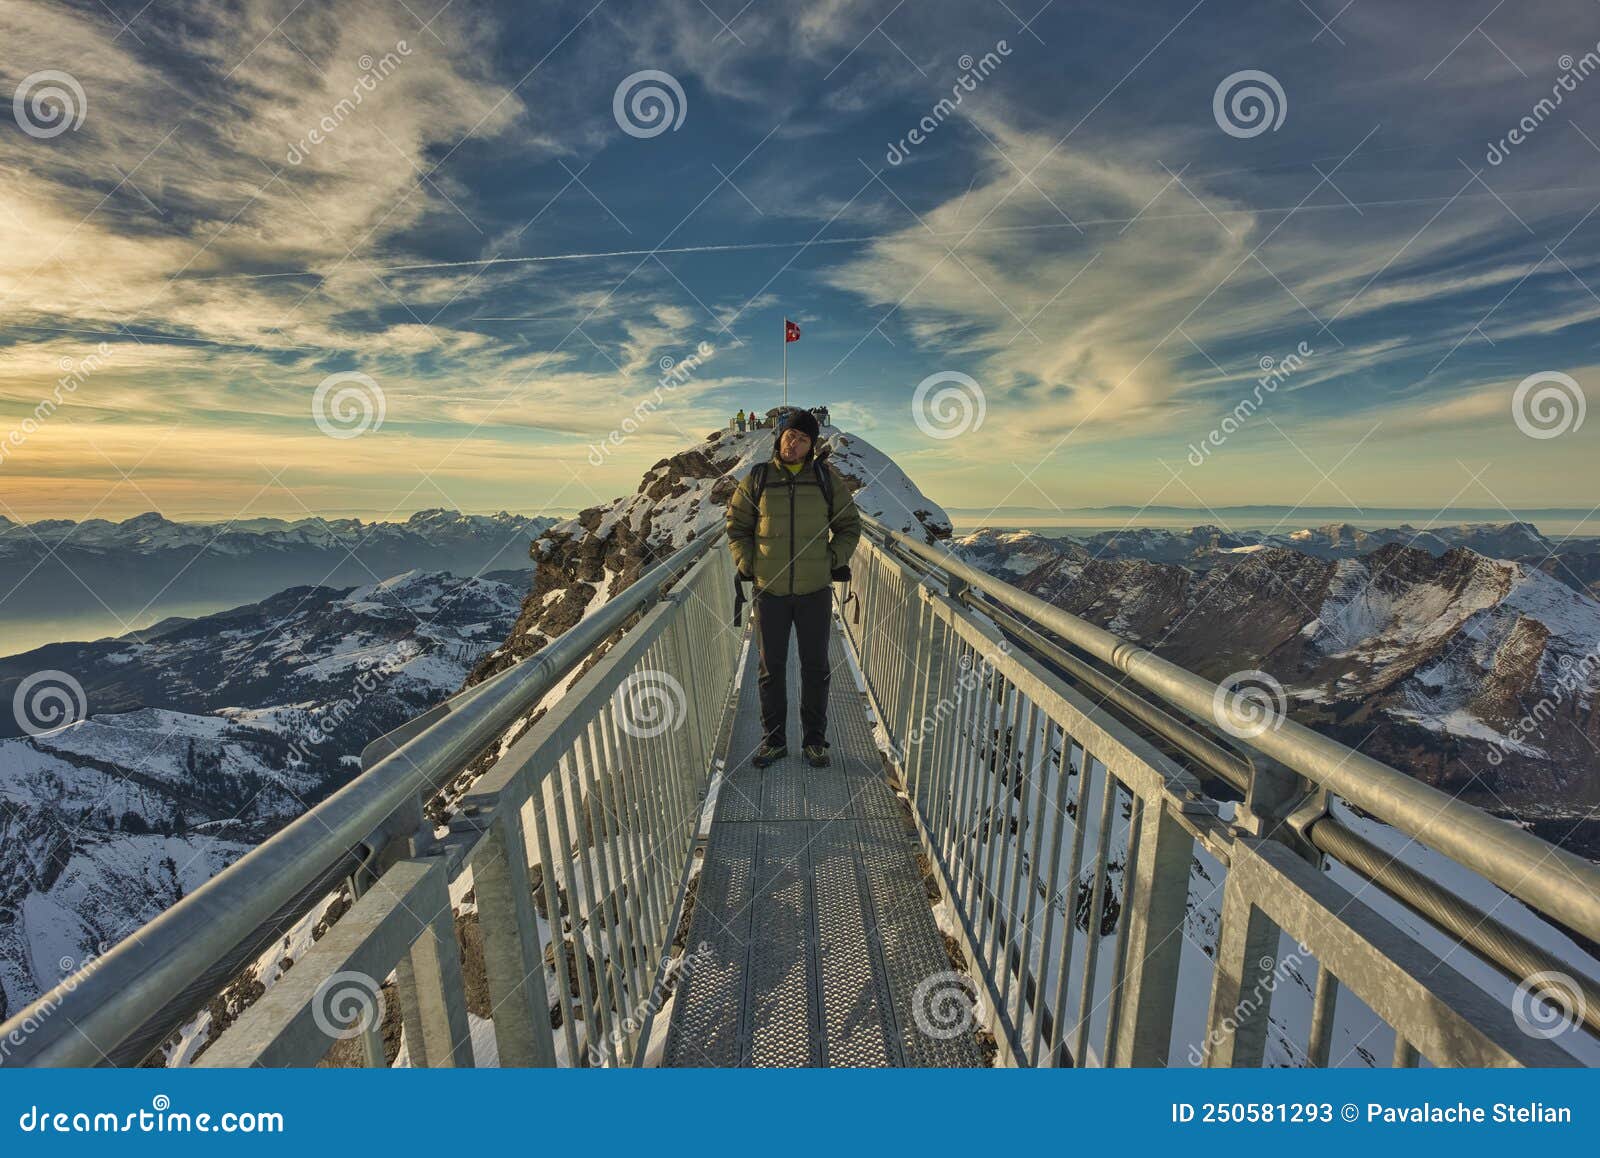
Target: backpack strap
point(824, 484)
point(758, 483)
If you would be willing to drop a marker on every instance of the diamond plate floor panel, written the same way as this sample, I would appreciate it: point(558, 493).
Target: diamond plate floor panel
point(811, 906)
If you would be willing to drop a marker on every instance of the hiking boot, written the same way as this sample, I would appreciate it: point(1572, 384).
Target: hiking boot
point(817, 755)
point(768, 754)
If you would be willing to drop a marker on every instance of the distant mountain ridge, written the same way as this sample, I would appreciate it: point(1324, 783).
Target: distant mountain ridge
point(136, 567)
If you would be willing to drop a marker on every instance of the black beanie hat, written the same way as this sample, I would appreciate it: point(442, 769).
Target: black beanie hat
point(804, 421)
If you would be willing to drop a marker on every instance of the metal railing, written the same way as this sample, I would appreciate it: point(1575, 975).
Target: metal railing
point(1055, 775)
point(602, 791)
point(1064, 786)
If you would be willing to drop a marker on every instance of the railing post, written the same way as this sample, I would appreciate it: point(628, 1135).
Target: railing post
point(433, 996)
point(511, 952)
point(1155, 900)
point(1241, 998)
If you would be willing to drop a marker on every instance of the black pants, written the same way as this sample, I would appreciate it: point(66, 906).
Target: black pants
point(808, 615)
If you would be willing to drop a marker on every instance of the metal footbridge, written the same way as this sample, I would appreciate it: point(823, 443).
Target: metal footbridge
point(1037, 845)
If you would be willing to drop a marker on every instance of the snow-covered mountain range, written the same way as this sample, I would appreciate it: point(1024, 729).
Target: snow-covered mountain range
point(1469, 671)
point(190, 743)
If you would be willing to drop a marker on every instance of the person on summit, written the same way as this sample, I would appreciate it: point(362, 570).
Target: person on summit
point(792, 527)
point(739, 421)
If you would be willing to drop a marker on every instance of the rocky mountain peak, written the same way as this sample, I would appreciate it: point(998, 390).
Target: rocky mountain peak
point(594, 556)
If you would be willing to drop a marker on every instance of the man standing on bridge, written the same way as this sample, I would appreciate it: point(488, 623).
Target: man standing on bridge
point(792, 527)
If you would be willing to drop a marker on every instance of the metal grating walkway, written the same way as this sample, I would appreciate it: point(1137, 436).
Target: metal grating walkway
point(812, 906)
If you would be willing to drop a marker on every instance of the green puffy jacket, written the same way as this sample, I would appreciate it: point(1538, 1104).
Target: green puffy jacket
point(788, 545)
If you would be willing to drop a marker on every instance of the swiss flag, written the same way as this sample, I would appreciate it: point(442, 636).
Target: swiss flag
point(791, 332)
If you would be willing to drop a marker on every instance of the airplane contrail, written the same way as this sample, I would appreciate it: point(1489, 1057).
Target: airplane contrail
point(748, 246)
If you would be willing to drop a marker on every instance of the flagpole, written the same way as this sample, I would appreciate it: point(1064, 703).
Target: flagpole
point(786, 363)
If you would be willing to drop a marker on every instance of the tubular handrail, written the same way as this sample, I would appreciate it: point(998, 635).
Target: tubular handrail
point(90, 1017)
point(1549, 879)
point(1513, 954)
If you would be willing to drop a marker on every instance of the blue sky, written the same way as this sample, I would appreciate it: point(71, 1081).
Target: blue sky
point(490, 257)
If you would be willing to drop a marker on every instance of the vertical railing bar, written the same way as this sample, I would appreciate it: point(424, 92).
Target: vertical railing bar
point(575, 893)
point(967, 774)
point(943, 771)
point(999, 830)
point(598, 872)
point(1057, 803)
point(1069, 922)
point(619, 918)
point(1322, 1014)
point(938, 769)
point(915, 711)
point(1119, 961)
point(1021, 929)
point(1097, 896)
point(1405, 1054)
point(627, 770)
point(622, 804)
point(552, 907)
point(984, 849)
